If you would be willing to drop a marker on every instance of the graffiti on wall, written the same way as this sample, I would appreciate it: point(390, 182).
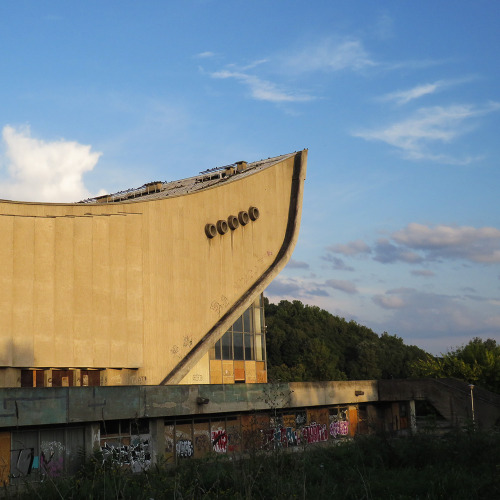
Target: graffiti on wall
point(339, 428)
point(137, 456)
point(52, 458)
point(50, 462)
point(288, 436)
point(263, 431)
point(184, 448)
point(219, 440)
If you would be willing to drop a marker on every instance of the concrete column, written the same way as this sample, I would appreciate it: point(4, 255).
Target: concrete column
point(92, 436)
point(157, 432)
point(413, 416)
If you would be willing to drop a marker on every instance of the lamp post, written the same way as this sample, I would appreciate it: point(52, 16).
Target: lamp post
point(471, 387)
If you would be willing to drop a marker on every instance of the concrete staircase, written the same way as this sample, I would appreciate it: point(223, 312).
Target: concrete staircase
point(450, 397)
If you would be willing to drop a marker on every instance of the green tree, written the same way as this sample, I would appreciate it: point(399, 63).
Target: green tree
point(306, 343)
point(477, 362)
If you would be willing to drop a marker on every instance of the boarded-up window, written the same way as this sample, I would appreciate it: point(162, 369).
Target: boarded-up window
point(91, 378)
point(62, 378)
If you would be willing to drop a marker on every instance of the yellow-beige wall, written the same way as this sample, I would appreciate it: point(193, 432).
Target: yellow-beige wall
point(138, 284)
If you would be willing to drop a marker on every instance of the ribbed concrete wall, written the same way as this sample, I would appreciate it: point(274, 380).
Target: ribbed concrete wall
point(138, 284)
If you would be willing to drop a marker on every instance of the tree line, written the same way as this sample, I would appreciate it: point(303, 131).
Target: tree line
point(306, 343)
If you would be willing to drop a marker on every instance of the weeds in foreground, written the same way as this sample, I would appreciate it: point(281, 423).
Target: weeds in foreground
point(459, 465)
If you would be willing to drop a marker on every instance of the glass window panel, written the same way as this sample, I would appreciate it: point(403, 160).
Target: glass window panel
point(247, 320)
point(257, 320)
point(248, 347)
point(227, 346)
point(259, 351)
point(125, 426)
point(238, 325)
point(110, 427)
point(238, 345)
point(139, 426)
point(216, 352)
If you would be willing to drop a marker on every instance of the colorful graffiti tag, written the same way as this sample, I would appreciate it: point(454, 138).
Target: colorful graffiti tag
point(219, 441)
point(339, 428)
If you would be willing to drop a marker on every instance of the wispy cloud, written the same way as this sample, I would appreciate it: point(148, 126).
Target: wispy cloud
point(352, 248)
point(262, 90)
point(386, 252)
point(282, 288)
point(205, 55)
point(429, 126)
point(384, 27)
point(425, 273)
point(246, 67)
point(45, 170)
point(326, 55)
point(405, 96)
point(330, 55)
point(337, 263)
point(297, 264)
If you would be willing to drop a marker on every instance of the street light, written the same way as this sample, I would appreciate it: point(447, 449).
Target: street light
point(471, 387)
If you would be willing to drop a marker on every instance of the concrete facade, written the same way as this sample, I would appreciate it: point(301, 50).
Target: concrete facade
point(143, 283)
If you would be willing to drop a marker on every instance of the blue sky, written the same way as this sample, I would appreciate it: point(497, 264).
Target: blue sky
point(398, 103)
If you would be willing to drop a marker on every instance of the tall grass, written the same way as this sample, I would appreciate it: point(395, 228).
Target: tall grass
point(459, 465)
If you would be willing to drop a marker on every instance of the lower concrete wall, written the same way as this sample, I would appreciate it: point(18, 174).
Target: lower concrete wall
point(58, 405)
point(35, 453)
point(48, 431)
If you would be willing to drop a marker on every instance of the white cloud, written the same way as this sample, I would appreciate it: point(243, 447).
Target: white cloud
point(205, 55)
point(405, 96)
point(388, 301)
point(45, 171)
point(470, 243)
point(421, 315)
point(427, 127)
point(330, 55)
point(262, 90)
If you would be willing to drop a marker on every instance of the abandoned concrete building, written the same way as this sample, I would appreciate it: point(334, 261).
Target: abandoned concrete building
point(133, 324)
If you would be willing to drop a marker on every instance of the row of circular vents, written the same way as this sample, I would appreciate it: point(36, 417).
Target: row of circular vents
point(232, 222)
